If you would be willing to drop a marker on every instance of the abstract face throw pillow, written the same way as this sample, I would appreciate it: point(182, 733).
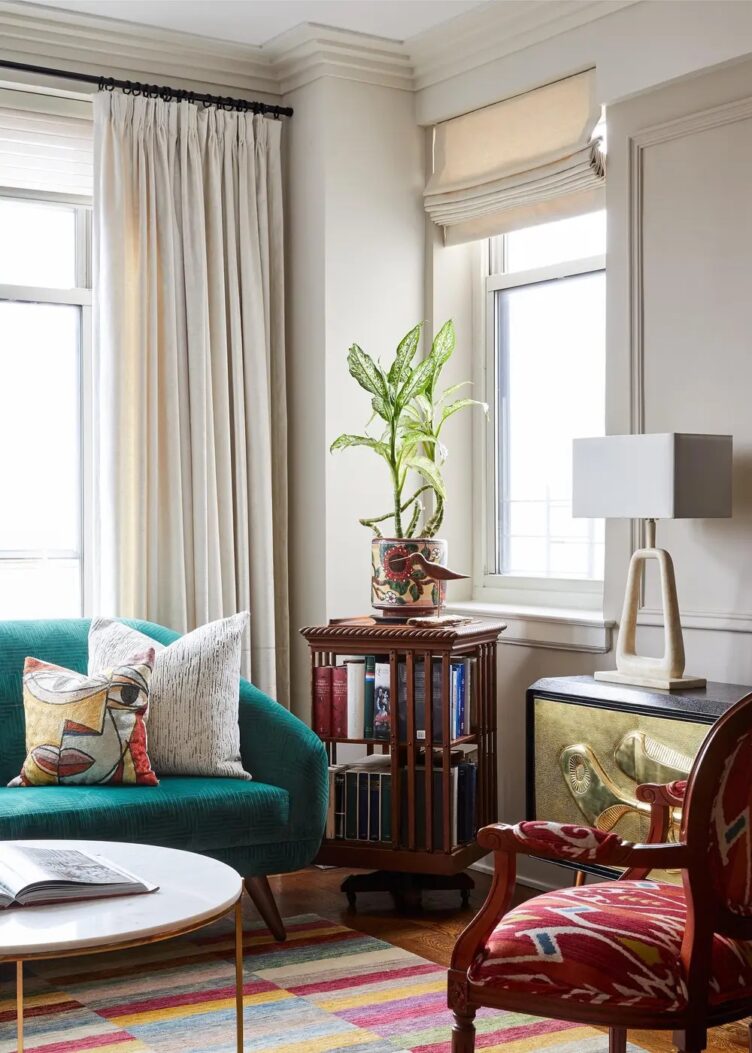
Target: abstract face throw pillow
point(87, 729)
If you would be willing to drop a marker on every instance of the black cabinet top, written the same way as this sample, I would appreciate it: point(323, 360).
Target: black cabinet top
point(709, 702)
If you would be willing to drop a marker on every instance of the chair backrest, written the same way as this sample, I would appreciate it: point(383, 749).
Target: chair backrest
point(717, 814)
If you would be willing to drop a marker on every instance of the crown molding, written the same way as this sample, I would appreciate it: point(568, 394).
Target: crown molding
point(493, 30)
point(111, 47)
point(310, 51)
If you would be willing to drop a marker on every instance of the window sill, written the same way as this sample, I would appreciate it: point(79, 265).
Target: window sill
point(553, 628)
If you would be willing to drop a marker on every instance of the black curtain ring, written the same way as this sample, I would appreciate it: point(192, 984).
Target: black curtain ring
point(127, 88)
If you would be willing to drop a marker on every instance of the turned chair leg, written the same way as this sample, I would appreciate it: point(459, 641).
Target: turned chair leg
point(617, 1040)
point(263, 900)
point(463, 1032)
point(694, 1041)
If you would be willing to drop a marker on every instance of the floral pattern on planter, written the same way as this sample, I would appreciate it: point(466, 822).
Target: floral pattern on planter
point(396, 582)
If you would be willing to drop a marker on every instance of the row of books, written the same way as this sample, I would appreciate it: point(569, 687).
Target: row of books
point(360, 801)
point(353, 699)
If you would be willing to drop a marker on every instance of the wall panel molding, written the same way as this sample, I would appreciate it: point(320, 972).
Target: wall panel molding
point(638, 145)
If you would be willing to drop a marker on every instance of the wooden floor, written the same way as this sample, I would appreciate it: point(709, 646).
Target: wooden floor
point(432, 931)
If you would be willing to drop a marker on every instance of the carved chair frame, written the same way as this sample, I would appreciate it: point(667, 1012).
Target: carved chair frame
point(707, 912)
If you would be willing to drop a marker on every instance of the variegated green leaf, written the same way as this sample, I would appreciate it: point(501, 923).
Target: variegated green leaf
point(453, 389)
point(344, 441)
point(430, 473)
point(406, 349)
point(416, 383)
point(453, 407)
point(441, 351)
point(381, 408)
point(363, 369)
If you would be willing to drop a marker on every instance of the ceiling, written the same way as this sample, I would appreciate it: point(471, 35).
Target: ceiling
point(259, 21)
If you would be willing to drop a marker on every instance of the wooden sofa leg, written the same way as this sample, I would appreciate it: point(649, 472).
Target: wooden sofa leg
point(617, 1040)
point(263, 900)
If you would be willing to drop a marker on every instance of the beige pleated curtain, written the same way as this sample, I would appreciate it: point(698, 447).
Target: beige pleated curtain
point(189, 373)
point(530, 159)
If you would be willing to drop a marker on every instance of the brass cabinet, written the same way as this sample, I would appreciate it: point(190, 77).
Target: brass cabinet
point(589, 744)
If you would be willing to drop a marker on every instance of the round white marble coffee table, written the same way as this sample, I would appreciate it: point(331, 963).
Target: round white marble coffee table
point(193, 891)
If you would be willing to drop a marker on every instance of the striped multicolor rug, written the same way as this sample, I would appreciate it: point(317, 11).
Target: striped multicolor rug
point(327, 989)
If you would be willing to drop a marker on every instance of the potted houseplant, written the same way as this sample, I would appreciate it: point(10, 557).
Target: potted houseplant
point(409, 414)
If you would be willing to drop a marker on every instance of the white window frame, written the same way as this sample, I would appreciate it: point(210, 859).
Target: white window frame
point(490, 587)
point(80, 295)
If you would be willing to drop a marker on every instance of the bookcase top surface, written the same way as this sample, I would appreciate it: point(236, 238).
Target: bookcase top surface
point(710, 701)
point(367, 631)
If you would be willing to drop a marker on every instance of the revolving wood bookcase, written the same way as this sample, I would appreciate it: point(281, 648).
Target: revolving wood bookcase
point(406, 866)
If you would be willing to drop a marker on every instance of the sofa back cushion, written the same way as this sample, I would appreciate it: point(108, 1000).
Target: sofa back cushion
point(59, 641)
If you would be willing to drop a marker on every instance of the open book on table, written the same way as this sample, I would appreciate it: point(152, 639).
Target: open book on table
point(34, 875)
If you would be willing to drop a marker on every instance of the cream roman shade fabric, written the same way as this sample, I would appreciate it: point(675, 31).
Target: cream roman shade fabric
point(520, 162)
point(46, 143)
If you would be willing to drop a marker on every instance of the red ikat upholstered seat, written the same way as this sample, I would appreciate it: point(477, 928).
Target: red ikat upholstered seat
point(615, 943)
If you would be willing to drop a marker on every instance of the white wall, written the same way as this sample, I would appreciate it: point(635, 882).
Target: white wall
point(680, 263)
point(696, 227)
point(633, 50)
point(355, 274)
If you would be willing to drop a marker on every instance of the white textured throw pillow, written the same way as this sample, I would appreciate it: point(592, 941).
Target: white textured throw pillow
point(194, 698)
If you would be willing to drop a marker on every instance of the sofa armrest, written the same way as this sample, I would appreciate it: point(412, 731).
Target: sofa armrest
point(281, 750)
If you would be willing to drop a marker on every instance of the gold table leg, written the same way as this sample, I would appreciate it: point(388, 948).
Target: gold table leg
point(19, 1007)
point(238, 973)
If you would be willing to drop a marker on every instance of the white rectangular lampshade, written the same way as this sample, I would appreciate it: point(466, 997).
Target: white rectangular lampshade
point(662, 476)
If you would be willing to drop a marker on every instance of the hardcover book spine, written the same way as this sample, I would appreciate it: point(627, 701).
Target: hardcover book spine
point(339, 804)
point(460, 700)
point(356, 685)
point(438, 809)
point(466, 782)
point(420, 701)
point(351, 805)
point(330, 809)
point(368, 701)
point(363, 805)
point(322, 701)
point(374, 803)
point(382, 706)
point(339, 702)
point(436, 703)
point(386, 806)
point(471, 720)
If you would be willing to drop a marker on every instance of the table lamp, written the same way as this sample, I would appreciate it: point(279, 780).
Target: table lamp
point(650, 477)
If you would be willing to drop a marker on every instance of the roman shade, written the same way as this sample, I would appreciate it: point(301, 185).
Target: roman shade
point(46, 143)
point(527, 160)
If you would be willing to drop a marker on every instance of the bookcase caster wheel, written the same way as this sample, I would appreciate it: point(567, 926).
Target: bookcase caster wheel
point(406, 889)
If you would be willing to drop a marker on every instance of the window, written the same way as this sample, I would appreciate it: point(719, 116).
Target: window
point(45, 304)
point(545, 300)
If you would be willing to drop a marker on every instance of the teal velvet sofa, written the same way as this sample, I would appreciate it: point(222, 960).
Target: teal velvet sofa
point(270, 825)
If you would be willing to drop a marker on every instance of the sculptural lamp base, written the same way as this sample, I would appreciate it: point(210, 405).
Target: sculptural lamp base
point(665, 673)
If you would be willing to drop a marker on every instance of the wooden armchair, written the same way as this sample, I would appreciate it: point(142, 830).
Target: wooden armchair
point(635, 952)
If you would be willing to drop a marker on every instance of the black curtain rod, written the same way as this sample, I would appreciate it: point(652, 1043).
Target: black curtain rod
point(155, 91)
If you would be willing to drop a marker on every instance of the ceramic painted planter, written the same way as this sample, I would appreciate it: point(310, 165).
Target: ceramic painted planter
point(398, 584)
